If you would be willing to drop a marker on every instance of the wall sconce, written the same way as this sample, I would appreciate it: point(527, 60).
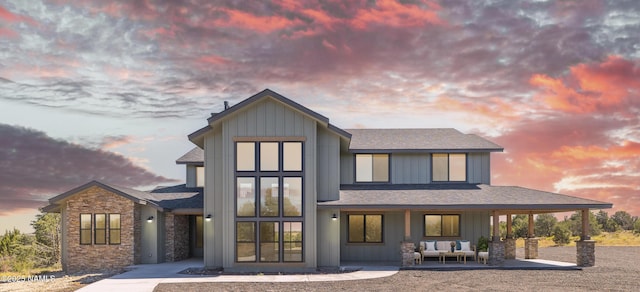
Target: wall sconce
point(334, 217)
point(207, 218)
point(150, 219)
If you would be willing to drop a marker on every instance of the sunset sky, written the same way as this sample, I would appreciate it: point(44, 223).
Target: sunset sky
point(109, 90)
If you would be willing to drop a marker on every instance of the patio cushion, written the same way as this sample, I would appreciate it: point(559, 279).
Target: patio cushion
point(431, 245)
point(443, 245)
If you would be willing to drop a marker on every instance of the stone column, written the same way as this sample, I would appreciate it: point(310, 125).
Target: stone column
point(407, 249)
point(586, 253)
point(496, 253)
point(531, 248)
point(510, 249)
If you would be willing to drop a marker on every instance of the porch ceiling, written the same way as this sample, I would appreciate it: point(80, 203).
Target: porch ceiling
point(504, 199)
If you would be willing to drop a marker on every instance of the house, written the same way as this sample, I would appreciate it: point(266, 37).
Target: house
point(274, 186)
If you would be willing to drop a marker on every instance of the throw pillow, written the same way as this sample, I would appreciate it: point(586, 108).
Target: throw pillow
point(458, 245)
point(465, 245)
point(431, 245)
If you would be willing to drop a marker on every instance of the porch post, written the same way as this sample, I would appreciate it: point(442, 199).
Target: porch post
point(531, 242)
point(407, 224)
point(585, 248)
point(509, 241)
point(496, 246)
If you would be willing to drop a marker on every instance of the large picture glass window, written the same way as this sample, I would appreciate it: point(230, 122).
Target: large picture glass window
point(372, 167)
point(365, 228)
point(100, 229)
point(449, 167)
point(442, 225)
point(269, 201)
point(85, 228)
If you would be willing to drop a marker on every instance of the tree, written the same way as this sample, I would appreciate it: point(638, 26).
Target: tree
point(623, 219)
point(520, 226)
point(544, 224)
point(47, 232)
point(607, 224)
point(575, 224)
point(561, 233)
point(636, 227)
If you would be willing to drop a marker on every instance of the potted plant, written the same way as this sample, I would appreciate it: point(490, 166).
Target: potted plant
point(453, 246)
point(483, 243)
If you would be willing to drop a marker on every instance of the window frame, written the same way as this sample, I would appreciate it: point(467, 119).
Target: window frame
point(466, 168)
point(364, 229)
point(90, 229)
point(424, 225)
point(372, 181)
point(110, 229)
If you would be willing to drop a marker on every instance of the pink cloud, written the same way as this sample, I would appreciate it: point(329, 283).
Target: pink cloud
point(392, 13)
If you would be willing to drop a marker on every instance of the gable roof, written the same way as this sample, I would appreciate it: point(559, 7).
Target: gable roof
point(165, 198)
point(457, 197)
point(196, 136)
point(417, 139)
point(194, 156)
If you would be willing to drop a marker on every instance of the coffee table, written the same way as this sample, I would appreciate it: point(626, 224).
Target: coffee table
point(444, 254)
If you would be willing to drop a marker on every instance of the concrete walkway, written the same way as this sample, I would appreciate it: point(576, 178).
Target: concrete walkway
point(147, 277)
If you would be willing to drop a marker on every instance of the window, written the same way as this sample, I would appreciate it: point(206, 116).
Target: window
point(442, 225)
point(114, 228)
point(269, 241)
point(200, 176)
point(245, 241)
point(292, 152)
point(269, 156)
point(269, 227)
point(245, 156)
point(245, 197)
point(85, 228)
point(365, 228)
point(449, 166)
point(292, 241)
point(100, 229)
point(372, 167)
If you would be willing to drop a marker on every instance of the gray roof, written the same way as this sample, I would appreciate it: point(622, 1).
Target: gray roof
point(417, 139)
point(457, 197)
point(174, 197)
point(194, 156)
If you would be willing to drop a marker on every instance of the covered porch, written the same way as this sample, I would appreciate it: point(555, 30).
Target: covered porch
point(478, 207)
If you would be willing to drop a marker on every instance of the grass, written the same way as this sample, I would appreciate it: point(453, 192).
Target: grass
point(620, 238)
point(35, 271)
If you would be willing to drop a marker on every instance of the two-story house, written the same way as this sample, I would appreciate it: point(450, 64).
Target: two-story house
point(273, 185)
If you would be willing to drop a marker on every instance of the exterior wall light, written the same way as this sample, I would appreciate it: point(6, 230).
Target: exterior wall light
point(150, 219)
point(207, 218)
point(334, 217)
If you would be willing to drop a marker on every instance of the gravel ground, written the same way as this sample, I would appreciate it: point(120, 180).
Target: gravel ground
point(617, 269)
point(54, 282)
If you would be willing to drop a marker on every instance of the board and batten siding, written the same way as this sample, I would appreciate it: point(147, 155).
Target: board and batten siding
point(328, 165)
point(410, 168)
point(479, 168)
point(266, 118)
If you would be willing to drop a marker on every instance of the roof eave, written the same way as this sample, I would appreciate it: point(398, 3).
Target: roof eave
point(469, 150)
point(527, 207)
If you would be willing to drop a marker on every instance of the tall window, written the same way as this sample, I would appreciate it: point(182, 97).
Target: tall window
point(372, 167)
point(85, 228)
point(365, 228)
point(269, 201)
point(200, 176)
point(442, 225)
point(449, 167)
point(114, 228)
point(100, 230)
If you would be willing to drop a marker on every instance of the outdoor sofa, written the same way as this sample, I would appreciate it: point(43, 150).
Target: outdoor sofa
point(433, 248)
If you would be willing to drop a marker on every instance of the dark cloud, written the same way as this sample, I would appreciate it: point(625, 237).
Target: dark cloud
point(34, 167)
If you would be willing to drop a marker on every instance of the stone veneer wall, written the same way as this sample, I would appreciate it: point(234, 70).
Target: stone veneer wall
point(586, 253)
point(510, 249)
point(496, 253)
point(531, 248)
point(137, 234)
point(83, 258)
point(407, 249)
point(177, 237)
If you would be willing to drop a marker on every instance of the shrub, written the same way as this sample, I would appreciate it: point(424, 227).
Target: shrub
point(561, 234)
point(636, 227)
point(483, 244)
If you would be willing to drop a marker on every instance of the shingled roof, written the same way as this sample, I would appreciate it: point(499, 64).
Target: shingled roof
point(457, 197)
point(417, 140)
point(194, 156)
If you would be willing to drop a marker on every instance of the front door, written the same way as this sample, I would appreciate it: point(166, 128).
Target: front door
point(195, 236)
